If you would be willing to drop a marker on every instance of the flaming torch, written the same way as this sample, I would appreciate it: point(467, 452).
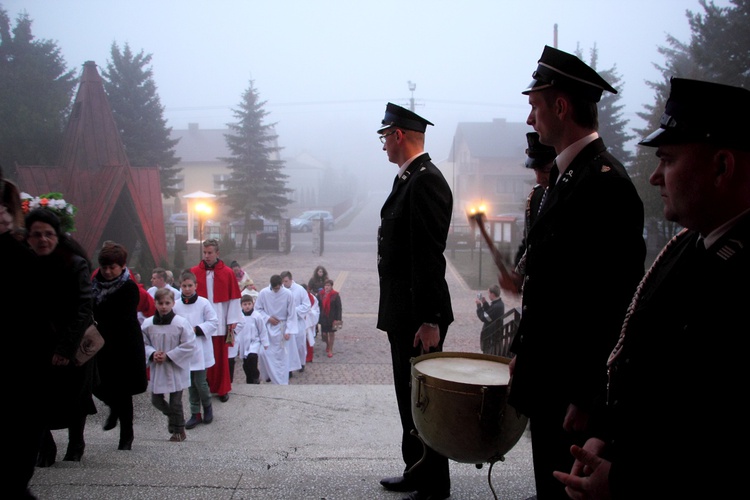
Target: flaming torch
point(476, 217)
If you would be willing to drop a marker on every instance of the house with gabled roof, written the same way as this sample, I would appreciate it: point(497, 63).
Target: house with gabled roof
point(115, 201)
point(488, 160)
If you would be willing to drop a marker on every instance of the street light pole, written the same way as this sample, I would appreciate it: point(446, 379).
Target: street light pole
point(203, 210)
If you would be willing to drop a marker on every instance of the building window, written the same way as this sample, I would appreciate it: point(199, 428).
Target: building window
point(179, 184)
point(220, 182)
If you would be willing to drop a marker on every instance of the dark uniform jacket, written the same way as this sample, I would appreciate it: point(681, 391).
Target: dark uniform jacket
point(585, 254)
point(677, 393)
point(533, 201)
point(411, 241)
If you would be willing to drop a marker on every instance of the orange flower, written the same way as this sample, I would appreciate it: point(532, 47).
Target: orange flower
point(25, 206)
point(43, 202)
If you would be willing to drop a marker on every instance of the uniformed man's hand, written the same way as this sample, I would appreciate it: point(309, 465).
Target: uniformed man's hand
point(428, 335)
point(594, 484)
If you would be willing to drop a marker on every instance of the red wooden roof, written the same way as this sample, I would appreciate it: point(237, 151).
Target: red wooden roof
point(115, 201)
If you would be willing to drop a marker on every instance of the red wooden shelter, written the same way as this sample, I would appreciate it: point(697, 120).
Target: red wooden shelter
point(115, 201)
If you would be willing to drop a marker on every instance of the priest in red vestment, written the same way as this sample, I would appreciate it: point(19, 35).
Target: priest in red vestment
point(217, 283)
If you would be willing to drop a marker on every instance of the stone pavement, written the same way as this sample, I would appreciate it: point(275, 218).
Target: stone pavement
point(331, 434)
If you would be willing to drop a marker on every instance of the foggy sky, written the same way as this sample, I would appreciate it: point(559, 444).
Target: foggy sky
point(327, 68)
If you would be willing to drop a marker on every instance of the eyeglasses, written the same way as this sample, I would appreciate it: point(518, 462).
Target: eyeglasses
point(48, 235)
point(383, 137)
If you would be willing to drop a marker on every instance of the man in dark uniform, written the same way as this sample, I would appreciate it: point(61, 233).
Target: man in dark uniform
point(677, 424)
point(584, 258)
point(539, 158)
point(415, 305)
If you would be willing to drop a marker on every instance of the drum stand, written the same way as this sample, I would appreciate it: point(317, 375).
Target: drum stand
point(478, 466)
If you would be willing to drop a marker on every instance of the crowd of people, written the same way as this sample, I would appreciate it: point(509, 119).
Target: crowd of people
point(169, 337)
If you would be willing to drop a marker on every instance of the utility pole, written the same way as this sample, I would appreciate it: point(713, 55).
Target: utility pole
point(412, 88)
point(554, 36)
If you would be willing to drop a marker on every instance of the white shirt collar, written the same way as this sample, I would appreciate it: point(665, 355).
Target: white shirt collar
point(565, 158)
point(717, 233)
point(407, 163)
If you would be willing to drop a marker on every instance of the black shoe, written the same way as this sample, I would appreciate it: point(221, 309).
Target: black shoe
point(224, 398)
point(432, 495)
point(74, 452)
point(111, 422)
point(126, 444)
point(397, 483)
point(47, 452)
point(301, 370)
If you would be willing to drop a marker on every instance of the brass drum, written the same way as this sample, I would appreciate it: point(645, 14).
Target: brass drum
point(459, 406)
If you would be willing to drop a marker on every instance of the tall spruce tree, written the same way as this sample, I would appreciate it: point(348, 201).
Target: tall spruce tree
point(130, 87)
point(256, 186)
point(611, 122)
point(36, 92)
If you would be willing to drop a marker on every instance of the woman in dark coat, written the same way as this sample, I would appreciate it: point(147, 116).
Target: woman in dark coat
point(317, 281)
point(122, 360)
point(68, 388)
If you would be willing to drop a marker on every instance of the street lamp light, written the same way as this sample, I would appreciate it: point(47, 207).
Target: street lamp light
point(203, 210)
point(199, 206)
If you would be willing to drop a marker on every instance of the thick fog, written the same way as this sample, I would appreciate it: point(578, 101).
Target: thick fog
point(327, 68)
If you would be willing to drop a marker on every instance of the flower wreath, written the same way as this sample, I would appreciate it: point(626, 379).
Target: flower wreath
point(56, 203)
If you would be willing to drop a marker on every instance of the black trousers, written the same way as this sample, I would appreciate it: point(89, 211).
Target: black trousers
point(550, 446)
point(250, 367)
point(432, 474)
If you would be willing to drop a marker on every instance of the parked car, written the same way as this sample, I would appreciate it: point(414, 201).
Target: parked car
point(303, 222)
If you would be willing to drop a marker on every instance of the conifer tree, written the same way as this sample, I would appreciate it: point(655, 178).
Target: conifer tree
point(131, 90)
point(256, 186)
point(611, 122)
point(36, 92)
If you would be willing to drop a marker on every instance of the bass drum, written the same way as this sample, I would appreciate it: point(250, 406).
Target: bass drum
point(459, 406)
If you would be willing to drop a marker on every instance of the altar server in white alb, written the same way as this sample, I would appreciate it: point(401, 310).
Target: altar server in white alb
point(169, 342)
point(202, 317)
point(251, 335)
point(275, 305)
point(297, 357)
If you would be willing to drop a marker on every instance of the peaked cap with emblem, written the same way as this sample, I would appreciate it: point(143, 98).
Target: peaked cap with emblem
point(396, 116)
point(699, 111)
point(565, 71)
point(538, 155)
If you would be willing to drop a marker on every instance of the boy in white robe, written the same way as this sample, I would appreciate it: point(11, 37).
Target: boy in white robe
point(169, 341)
point(275, 305)
point(202, 317)
point(251, 334)
point(297, 356)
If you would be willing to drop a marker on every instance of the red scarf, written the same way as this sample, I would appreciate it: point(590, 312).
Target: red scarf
point(225, 283)
point(327, 301)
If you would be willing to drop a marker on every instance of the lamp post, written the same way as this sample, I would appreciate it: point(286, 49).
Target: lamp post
point(203, 210)
point(199, 205)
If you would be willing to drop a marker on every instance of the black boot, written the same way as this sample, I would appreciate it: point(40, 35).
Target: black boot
point(111, 421)
point(126, 436)
point(76, 443)
point(47, 450)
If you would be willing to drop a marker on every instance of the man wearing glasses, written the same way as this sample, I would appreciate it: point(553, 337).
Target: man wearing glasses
point(415, 305)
